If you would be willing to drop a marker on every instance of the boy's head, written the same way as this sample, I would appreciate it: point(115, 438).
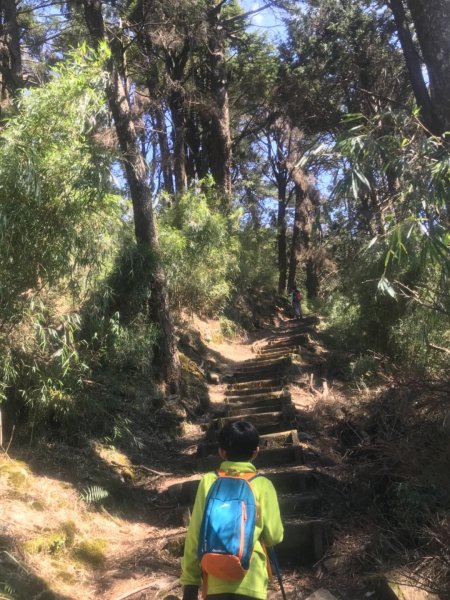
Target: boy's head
point(238, 441)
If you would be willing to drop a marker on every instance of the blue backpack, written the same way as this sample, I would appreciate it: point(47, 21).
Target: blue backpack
point(228, 527)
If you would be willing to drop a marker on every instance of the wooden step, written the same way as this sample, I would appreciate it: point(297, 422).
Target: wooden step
point(260, 407)
point(302, 505)
point(251, 391)
point(268, 349)
point(305, 541)
point(272, 382)
point(272, 354)
point(268, 359)
point(271, 440)
point(263, 366)
point(257, 400)
point(266, 458)
point(287, 452)
point(293, 480)
point(262, 391)
point(266, 422)
point(259, 374)
point(288, 341)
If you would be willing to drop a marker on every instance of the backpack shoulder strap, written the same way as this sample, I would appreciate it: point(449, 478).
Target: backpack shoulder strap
point(246, 476)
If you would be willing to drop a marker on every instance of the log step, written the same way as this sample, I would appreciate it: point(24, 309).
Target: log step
point(257, 399)
point(295, 479)
point(271, 440)
point(261, 383)
point(305, 541)
point(267, 422)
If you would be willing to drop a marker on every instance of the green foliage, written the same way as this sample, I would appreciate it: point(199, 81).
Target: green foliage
point(412, 335)
point(54, 180)
point(364, 370)
point(229, 329)
point(43, 374)
point(199, 247)
point(343, 318)
point(411, 504)
point(91, 552)
point(392, 153)
point(116, 316)
point(394, 191)
point(336, 56)
point(257, 261)
point(59, 223)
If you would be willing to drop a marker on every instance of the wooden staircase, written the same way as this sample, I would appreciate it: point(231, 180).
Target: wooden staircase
point(257, 393)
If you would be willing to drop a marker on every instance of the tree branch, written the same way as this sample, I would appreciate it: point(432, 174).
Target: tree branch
point(440, 348)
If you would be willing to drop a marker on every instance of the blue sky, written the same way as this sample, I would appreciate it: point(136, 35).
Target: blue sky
point(267, 20)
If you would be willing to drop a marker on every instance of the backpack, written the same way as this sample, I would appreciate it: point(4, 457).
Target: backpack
point(228, 527)
point(297, 296)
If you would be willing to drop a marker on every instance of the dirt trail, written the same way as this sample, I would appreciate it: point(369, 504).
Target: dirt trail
point(58, 546)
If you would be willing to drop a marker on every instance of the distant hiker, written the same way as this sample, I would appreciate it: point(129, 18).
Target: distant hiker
point(296, 303)
point(231, 562)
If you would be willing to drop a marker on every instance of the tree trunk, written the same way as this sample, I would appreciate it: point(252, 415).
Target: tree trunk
point(144, 224)
point(306, 199)
point(220, 115)
point(414, 66)
point(306, 217)
point(296, 238)
point(166, 162)
point(281, 235)
point(432, 24)
point(176, 103)
point(194, 146)
point(11, 76)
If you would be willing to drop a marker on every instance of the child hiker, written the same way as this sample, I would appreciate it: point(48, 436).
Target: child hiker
point(296, 303)
point(227, 557)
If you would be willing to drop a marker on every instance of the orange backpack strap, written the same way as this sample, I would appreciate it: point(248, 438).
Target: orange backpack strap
point(247, 476)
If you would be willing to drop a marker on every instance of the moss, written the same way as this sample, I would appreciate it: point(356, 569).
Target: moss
point(189, 366)
point(15, 472)
point(91, 552)
point(118, 461)
point(70, 530)
point(51, 543)
point(193, 382)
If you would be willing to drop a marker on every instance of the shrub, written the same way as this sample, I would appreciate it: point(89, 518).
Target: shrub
point(199, 247)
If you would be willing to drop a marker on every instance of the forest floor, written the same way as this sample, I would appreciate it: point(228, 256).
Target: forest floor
point(95, 521)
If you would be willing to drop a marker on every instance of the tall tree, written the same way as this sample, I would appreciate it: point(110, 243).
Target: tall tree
point(306, 201)
point(137, 177)
point(11, 76)
point(432, 24)
point(414, 65)
point(220, 111)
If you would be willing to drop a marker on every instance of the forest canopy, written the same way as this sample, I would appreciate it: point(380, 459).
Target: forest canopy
point(161, 158)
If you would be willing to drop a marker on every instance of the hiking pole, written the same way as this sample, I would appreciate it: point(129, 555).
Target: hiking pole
point(274, 559)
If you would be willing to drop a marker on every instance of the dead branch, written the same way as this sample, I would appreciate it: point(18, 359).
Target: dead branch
point(142, 468)
point(440, 348)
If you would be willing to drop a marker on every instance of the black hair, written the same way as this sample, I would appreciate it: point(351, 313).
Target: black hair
point(239, 440)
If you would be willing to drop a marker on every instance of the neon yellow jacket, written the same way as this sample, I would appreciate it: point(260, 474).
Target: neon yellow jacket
point(268, 528)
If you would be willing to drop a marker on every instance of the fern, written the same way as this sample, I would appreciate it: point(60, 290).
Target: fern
point(94, 494)
point(6, 591)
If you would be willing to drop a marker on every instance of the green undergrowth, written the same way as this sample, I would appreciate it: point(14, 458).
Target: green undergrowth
point(394, 449)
